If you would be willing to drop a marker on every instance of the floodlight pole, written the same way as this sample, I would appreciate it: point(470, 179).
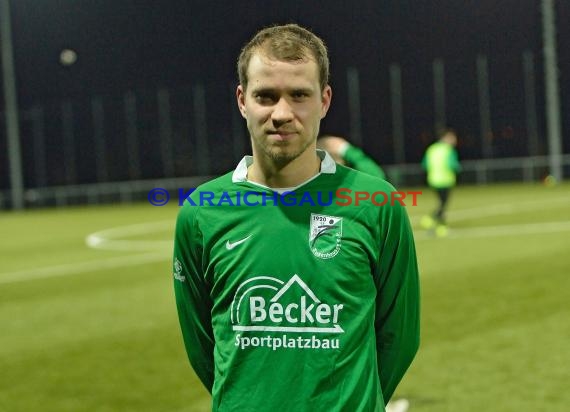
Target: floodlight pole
point(553, 124)
point(11, 107)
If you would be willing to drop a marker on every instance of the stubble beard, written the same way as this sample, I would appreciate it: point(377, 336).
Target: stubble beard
point(282, 154)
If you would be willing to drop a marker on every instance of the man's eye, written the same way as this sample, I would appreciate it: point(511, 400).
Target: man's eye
point(264, 98)
point(299, 95)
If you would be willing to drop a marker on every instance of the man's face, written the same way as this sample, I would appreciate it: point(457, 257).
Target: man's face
point(283, 106)
point(451, 138)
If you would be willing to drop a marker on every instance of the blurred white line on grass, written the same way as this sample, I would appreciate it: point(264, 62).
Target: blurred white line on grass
point(502, 230)
point(113, 238)
point(81, 267)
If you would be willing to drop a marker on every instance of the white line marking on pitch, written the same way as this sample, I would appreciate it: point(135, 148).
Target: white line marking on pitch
point(502, 230)
point(107, 239)
point(499, 209)
point(80, 267)
point(506, 209)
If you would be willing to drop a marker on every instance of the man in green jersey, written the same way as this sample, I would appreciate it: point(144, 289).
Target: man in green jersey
point(311, 307)
point(442, 165)
point(349, 155)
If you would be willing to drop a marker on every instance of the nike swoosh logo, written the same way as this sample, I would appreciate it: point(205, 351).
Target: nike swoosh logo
point(231, 245)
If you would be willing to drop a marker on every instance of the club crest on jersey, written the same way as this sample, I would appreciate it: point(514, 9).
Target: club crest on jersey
point(325, 235)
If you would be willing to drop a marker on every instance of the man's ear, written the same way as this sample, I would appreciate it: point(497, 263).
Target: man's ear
point(240, 96)
point(326, 97)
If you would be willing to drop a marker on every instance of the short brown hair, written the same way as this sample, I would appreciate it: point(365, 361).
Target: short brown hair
point(442, 131)
point(289, 42)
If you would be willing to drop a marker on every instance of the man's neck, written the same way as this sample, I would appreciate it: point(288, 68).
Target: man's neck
point(292, 174)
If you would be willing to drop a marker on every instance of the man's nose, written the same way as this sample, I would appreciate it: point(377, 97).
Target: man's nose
point(282, 112)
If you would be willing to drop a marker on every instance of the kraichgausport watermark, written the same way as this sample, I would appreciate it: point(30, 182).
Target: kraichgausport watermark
point(340, 197)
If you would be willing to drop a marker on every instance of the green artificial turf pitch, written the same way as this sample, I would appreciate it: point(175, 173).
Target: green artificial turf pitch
point(95, 329)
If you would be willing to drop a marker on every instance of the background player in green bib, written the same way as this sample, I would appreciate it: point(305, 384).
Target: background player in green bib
point(442, 165)
point(294, 303)
point(349, 155)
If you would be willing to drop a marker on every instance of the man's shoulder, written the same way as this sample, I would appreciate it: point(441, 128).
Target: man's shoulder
point(376, 194)
point(357, 180)
point(211, 188)
point(220, 183)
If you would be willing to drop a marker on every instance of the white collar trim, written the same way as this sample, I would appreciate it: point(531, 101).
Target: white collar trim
point(328, 166)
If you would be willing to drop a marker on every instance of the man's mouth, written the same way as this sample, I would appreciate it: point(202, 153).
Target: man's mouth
point(281, 134)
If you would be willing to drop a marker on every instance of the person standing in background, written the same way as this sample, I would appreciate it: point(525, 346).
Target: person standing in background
point(441, 163)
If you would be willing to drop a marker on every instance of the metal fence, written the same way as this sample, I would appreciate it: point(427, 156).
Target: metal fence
point(159, 192)
point(117, 147)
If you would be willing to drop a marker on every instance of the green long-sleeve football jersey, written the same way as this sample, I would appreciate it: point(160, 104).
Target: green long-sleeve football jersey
point(296, 302)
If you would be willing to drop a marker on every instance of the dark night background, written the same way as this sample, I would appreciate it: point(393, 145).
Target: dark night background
point(127, 45)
